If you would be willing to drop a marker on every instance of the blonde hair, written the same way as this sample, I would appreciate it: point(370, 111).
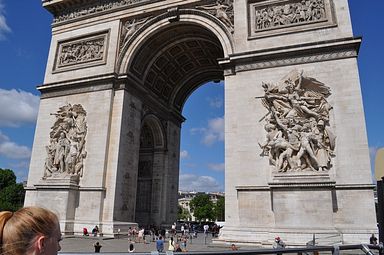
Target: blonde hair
point(19, 230)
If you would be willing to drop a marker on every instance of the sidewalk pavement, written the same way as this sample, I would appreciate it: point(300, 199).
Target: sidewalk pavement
point(85, 244)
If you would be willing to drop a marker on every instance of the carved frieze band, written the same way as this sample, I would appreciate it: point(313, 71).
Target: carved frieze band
point(296, 60)
point(271, 17)
point(81, 52)
point(99, 7)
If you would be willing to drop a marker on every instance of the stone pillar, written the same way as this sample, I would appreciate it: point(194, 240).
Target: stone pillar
point(122, 164)
point(172, 172)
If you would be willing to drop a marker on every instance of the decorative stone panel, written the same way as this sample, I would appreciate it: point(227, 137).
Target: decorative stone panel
point(272, 17)
point(81, 52)
point(94, 8)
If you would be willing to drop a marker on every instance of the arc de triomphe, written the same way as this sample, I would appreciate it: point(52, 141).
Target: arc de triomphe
point(107, 141)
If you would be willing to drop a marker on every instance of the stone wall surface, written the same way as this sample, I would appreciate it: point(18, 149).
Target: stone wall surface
point(253, 45)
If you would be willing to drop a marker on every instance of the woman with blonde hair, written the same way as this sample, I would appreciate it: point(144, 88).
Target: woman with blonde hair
point(30, 230)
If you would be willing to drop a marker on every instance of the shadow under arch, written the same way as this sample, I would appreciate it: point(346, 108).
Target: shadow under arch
point(152, 147)
point(153, 125)
point(200, 18)
point(172, 59)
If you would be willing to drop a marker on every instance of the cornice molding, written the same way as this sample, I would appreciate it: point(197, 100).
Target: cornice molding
point(293, 55)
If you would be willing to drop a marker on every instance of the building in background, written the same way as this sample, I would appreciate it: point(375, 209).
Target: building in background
point(185, 198)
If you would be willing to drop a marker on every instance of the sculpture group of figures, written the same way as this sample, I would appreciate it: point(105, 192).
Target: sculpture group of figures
point(223, 10)
point(82, 52)
point(290, 14)
point(66, 151)
point(299, 136)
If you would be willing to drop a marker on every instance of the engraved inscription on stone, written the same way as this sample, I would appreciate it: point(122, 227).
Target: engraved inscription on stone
point(270, 17)
point(298, 133)
point(85, 51)
point(66, 150)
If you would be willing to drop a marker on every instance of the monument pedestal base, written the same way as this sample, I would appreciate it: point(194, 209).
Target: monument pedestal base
point(296, 206)
point(262, 237)
point(106, 229)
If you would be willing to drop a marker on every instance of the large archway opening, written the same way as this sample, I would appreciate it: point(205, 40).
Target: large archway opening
point(176, 60)
point(169, 66)
point(202, 141)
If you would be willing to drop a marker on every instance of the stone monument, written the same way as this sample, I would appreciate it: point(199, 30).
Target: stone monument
point(107, 141)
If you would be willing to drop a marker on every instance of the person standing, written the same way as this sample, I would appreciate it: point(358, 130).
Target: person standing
point(131, 248)
point(171, 244)
point(141, 235)
point(206, 227)
point(160, 244)
point(97, 246)
point(184, 243)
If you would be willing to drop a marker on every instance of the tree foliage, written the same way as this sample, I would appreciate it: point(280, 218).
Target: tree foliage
point(183, 214)
point(202, 207)
point(7, 177)
point(11, 193)
point(219, 209)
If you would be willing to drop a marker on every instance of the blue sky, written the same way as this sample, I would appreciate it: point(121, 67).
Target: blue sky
point(24, 43)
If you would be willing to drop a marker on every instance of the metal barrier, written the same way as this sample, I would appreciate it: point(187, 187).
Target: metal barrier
point(335, 250)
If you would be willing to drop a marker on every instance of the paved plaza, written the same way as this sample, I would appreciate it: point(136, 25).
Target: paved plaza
point(85, 244)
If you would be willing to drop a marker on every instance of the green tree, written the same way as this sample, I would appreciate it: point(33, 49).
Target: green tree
point(202, 207)
point(183, 214)
point(11, 193)
point(220, 209)
point(7, 177)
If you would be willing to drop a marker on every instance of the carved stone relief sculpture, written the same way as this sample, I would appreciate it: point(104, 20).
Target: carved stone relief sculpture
point(223, 10)
point(298, 133)
point(269, 17)
point(66, 150)
point(290, 14)
point(85, 51)
point(129, 28)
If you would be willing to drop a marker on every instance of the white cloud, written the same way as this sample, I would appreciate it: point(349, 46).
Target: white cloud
point(4, 28)
point(216, 102)
point(217, 167)
point(190, 182)
point(20, 169)
point(214, 132)
point(12, 150)
point(17, 107)
point(184, 154)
